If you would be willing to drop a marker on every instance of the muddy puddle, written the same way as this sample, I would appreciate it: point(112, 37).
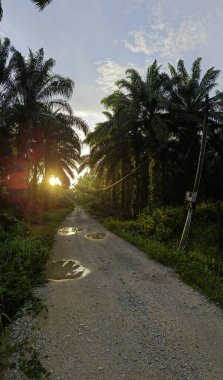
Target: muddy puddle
point(96, 235)
point(65, 270)
point(69, 230)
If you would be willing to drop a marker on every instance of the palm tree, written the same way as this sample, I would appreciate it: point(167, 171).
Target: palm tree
point(127, 141)
point(41, 4)
point(36, 98)
point(146, 99)
point(110, 158)
point(62, 147)
point(5, 133)
point(186, 99)
point(188, 106)
point(34, 91)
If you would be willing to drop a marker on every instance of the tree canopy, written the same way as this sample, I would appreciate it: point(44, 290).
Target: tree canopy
point(149, 145)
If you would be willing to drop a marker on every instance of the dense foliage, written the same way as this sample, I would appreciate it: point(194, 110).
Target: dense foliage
point(149, 145)
point(37, 127)
point(24, 249)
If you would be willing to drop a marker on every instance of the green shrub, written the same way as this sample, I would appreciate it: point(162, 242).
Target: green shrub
point(24, 249)
point(21, 264)
point(156, 233)
point(163, 224)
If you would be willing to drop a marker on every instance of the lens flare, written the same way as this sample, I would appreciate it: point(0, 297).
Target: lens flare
point(54, 181)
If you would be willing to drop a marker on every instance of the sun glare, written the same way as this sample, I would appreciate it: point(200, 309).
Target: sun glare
point(54, 181)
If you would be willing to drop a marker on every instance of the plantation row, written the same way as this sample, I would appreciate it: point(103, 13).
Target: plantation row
point(145, 154)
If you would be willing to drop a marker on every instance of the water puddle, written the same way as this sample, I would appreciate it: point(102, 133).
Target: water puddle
point(65, 270)
point(96, 235)
point(69, 231)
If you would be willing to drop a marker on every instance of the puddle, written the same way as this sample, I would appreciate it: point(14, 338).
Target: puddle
point(65, 270)
point(96, 235)
point(69, 231)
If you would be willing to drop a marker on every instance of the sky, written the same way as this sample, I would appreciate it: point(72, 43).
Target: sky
point(95, 41)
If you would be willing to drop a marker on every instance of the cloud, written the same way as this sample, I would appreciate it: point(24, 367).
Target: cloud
point(108, 73)
point(166, 41)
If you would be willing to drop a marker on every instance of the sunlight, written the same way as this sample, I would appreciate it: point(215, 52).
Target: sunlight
point(54, 181)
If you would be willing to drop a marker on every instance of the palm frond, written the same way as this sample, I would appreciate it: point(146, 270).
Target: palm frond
point(41, 4)
point(196, 69)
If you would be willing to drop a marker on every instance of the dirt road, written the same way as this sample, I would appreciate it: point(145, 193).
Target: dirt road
point(128, 318)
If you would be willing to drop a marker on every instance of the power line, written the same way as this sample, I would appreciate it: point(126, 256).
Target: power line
point(128, 175)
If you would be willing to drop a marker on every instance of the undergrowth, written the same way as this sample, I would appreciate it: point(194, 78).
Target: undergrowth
point(24, 250)
point(158, 233)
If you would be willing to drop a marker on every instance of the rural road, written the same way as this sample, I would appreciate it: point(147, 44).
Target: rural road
point(127, 318)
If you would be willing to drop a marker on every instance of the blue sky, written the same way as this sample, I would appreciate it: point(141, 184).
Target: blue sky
point(94, 41)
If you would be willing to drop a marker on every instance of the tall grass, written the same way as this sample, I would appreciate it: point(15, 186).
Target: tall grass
point(24, 250)
point(157, 234)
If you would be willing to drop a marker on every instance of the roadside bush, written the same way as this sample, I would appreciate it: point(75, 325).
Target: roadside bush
point(163, 224)
point(21, 264)
point(24, 249)
point(195, 267)
point(66, 199)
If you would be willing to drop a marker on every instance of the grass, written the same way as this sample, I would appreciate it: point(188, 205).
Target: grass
point(200, 267)
point(24, 251)
point(29, 361)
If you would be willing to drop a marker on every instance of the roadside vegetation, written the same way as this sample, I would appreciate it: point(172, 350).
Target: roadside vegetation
point(24, 250)
point(158, 235)
point(25, 247)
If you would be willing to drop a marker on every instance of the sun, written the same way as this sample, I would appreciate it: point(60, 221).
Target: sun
point(54, 181)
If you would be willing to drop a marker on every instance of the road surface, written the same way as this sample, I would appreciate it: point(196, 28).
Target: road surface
point(125, 316)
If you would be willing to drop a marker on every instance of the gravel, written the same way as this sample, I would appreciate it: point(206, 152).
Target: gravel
point(128, 318)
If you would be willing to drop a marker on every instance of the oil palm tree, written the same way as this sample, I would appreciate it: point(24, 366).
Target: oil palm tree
point(5, 133)
point(111, 159)
point(128, 139)
point(34, 92)
point(146, 99)
point(62, 146)
point(192, 110)
point(37, 99)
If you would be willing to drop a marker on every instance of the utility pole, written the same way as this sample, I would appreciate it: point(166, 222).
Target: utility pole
point(192, 202)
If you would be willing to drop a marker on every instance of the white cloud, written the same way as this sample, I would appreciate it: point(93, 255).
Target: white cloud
point(166, 41)
point(109, 72)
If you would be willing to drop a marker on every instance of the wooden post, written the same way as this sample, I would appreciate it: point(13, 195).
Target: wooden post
point(186, 230)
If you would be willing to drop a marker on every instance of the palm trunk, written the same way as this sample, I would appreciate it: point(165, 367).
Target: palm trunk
point(34, 184)
point(186, 230)
point(155, 182)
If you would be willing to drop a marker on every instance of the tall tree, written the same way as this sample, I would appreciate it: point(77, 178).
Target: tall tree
point(186, 98)
point(37, 100)
point(147, 99)
point(188, 105)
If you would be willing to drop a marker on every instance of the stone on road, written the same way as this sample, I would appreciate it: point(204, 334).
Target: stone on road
point(127, 318)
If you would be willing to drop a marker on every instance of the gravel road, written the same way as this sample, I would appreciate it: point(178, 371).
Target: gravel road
point(128, 318)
